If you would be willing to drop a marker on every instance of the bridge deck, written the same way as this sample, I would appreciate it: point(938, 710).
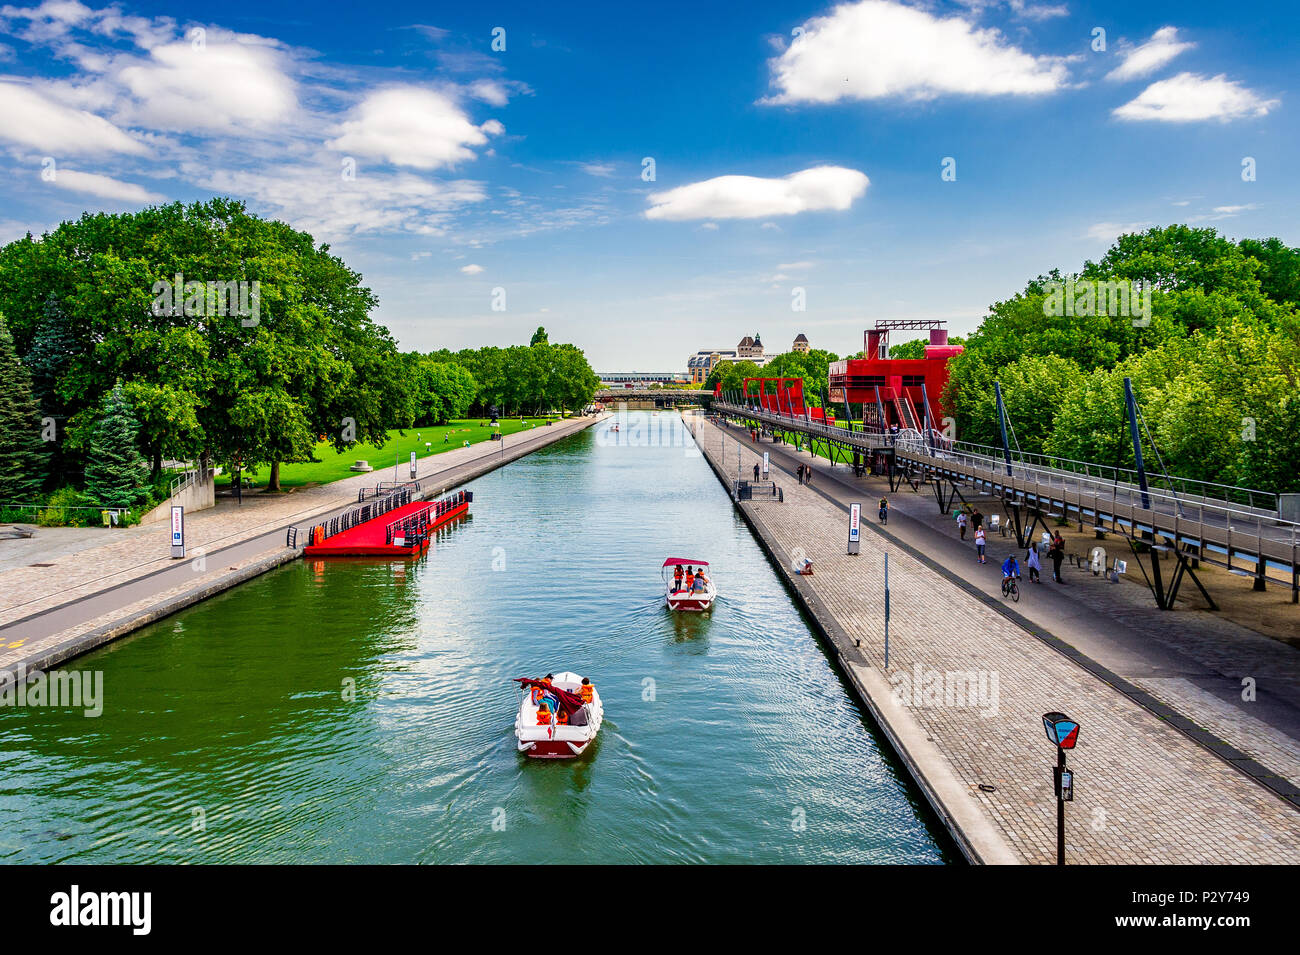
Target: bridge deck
point(1199, 526)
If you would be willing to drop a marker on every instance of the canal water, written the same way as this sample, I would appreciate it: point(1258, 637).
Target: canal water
point(354, 711)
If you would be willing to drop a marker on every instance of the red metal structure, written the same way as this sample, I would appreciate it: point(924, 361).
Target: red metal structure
point(904, 383)
point(785, 396)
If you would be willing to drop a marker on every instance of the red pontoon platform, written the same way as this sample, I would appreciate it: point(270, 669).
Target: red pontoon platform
point(393, 526)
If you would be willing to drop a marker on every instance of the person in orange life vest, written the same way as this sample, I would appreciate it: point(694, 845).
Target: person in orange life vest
point(690, 579)
point(677, 578)
point(544, 714)
point(561, 718)
point(586, 690)
point(537, 692)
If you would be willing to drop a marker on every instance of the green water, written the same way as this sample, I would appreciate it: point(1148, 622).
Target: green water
point(227, 736)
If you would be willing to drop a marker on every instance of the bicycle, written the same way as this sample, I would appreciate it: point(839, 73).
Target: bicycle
point(1011, 589)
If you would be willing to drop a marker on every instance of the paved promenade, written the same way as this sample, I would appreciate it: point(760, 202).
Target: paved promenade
point(83, 596)
point(963, 698)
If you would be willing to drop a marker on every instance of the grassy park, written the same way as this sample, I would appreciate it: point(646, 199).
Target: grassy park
point(334, 466)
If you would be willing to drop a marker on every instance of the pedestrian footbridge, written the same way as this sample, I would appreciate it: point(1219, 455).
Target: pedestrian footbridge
point(1186, 522)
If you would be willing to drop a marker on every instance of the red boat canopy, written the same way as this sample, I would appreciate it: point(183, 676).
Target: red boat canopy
point(570, 703)
point(674, 561)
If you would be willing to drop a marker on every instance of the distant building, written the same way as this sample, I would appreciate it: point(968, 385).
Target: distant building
point(800, 343)
point(701, 364)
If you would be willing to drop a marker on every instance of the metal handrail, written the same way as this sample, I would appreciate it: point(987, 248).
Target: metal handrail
point(1247, 522)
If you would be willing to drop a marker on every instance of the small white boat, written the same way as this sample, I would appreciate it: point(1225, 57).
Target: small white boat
point(697, 597)
point(572, 723)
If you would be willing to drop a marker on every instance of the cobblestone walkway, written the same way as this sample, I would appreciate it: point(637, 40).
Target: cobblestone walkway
point(978, 685)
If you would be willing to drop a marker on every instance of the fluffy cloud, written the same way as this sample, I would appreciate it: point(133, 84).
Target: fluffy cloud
point(412, 126)
point(751, 197)
point(876, 49)
point(105, 187)
point(471, 269)
point(1188, 98)
point(215, 86)
point(1150, 56)
point(30, 118)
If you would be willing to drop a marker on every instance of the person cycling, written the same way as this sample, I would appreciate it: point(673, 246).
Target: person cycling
point(1010, 571)
point(884, 510)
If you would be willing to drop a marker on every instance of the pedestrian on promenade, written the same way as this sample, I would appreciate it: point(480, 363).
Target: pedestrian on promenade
point(979, 544)
point(962, 520)
point(1031, 561)
point(799, 473)
point(1057, 554)
point(755, 472)
point(977, 519)
point(807, 474)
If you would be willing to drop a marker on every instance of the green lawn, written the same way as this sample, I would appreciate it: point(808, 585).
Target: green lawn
point(333, 466)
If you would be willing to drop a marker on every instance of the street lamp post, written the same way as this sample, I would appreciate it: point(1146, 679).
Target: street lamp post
point(1063, 733)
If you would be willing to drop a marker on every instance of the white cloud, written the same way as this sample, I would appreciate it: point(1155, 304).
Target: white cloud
point(471, 269)
point(220, 86)
point(105, 187)
point(1233, 210)
point(1150, 56)
point(602, 169)
point(30, 118)
point(412, 126)
point(1189, 98)
point(876, 49)
point(1109, 231)
point(490, 92)
point(752, 197)
point(317, 200)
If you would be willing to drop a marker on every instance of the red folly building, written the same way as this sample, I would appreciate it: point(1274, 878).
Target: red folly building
point(903, 385)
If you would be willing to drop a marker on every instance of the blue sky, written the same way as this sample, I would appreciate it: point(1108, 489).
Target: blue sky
point(444, 170)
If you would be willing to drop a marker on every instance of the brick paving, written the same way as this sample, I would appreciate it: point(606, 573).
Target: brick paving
point(120, 557)
point(1192, 660)
point(1145, 793)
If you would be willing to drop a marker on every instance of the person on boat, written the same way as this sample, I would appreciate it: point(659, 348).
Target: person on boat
point(586, 690)
point(537, 694)
point(561, 717)
point(690, 579)
point(677, 578)
point(700, 582)
point(544, 714)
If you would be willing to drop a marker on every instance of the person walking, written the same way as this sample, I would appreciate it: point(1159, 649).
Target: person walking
point(1057, 554)
point(962, 520)
point(979, 544)
point(977, 519)
point(756, 473)
point(1031, 561)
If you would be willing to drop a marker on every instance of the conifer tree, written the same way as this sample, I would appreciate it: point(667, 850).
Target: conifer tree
point(115, 469)
point(22, 454)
